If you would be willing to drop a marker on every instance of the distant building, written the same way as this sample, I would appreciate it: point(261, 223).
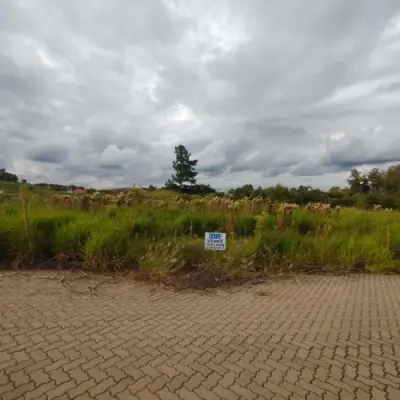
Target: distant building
point(76, 190)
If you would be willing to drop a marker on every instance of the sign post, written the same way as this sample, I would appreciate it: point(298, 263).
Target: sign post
point(215, 241)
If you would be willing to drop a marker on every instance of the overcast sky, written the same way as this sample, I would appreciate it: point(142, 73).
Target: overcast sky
point(99, 92)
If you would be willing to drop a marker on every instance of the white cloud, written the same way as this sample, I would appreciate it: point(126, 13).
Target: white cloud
point(46, 59)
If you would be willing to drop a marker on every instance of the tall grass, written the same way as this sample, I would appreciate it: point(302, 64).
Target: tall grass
point(169, 238)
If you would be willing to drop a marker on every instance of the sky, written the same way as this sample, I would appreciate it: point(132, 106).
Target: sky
point(98, 92)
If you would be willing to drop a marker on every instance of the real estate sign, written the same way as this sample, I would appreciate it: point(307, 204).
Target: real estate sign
point(215, 241)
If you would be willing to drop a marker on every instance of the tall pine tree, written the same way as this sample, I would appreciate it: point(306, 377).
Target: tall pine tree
point(185, 172)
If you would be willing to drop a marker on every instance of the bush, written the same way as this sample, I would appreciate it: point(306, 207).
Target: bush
point(245, 225)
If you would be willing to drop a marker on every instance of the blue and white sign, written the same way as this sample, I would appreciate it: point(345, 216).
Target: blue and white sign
point(215, 241)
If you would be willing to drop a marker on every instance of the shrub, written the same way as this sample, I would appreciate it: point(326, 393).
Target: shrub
point(194, 254)
point(245, 225)
point(189, 224)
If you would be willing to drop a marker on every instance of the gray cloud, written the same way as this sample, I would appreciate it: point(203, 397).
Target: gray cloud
point(98, 93)
point(111, 166)
point(392, 87)
point(48, 154)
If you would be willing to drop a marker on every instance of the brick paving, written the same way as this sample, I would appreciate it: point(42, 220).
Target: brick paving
point(309, 337)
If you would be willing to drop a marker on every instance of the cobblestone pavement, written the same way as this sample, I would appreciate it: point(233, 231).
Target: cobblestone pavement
point(309, 337)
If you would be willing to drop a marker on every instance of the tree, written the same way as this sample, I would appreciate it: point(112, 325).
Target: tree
point(278, 193)
point(392, 180)
point(185, 172)
point(306, 194)
point(359, 182)
point(354, 180)
point(376, 179)
point(241, 192)
point(7, 176)
point(199, 189)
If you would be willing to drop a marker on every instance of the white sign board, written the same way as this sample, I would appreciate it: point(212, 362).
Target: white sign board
point(215, 241)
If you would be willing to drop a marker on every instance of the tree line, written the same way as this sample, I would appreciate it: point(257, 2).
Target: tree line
point(366, 188)
point(7, 176)
point(10, 177)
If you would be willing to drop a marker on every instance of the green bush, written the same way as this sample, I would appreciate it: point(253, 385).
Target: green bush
point(194, 253)
point(245, 225)
point(188, 224)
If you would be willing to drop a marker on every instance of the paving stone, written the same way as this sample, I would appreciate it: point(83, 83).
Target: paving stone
point(331, 337)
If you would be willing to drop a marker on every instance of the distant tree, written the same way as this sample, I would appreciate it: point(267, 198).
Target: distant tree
point(242, 191)
point(358, 181)
point(354, 180)
point(185, 172)
point(392, 180)
point(199, 189)
point(258, 192)
point(7, 176)
point(376, 180)
point(306, 194)
point(365, 187)
point(278, 193)
point(170, 184)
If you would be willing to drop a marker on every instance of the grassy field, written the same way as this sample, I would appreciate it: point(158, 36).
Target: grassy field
point(10, 191)
point(159, 234)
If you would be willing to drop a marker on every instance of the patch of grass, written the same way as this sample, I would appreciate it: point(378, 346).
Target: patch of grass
point(245, 225)
point(69, 239)
point(107, 245)
point(189, 224)
point(162, 259)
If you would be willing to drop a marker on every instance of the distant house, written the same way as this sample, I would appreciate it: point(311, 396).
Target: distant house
point(76, 190)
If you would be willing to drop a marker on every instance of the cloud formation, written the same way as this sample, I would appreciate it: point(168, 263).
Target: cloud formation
point(261, 92)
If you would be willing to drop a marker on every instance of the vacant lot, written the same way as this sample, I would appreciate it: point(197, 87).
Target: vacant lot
point(309, 337)
point(163, 236)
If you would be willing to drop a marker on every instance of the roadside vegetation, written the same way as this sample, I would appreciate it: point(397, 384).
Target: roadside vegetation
point(159, 233)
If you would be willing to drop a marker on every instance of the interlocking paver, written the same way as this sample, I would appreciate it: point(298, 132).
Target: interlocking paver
point(59, 376)
point(205, 393)
point(18, 392)
point(331, 337)
point(60, 390)
point(39, 377)
point(20, 377)
point(102, 387)
point(166, 394)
